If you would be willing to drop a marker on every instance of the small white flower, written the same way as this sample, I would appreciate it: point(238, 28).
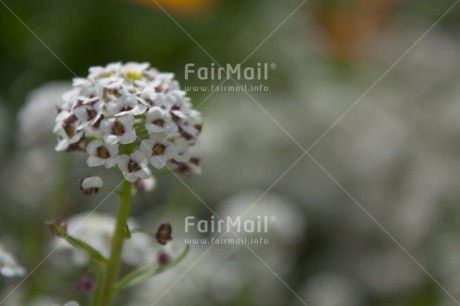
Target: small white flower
point(165, 100)
point(134, 70)
point(8, 265)
point(148, 92)
point(181, 150)
point(89, 112)
point(166, 80)
point(159, 121)
point(126, 104)
point(81, 83)
point(119, 129)
point(92, 132)
point(91, 185)
point(179, 107)
point(134, 166)
point(67, 130)
point(99, 72)
point(101, 153)
point(109, 88)
point(158, 152)
point(192, 166)
point(189, 131)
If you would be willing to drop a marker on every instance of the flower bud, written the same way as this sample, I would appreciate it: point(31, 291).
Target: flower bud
point(86, 284)
point(56, 227)
point(145, 185)
point(91, 185)
point(163, 234)
point(163, 258)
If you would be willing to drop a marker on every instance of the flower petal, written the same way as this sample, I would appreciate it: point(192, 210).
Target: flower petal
point(111, 139)
point(94, 161)
point(128, 137)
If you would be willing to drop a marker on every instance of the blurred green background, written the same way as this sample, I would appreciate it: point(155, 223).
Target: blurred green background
point(395, 153)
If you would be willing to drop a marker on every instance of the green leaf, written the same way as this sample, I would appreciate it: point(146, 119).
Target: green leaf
point(148, 271)
point(59, 231)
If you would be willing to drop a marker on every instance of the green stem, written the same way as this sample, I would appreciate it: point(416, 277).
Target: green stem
point(107, 289)
point(99, 275)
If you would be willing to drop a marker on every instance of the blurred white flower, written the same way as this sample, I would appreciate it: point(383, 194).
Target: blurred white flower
point(210, 279)
point(225, 143)
point(193, 287)
point(34, 170)
point(96, 229)
point(37, 115)
point(287, 222)
point(286, 229)
point(72, 303)
point(331, 289)
point(446, 262)
point(387, 272)
point(8, 265)
point(20, 298)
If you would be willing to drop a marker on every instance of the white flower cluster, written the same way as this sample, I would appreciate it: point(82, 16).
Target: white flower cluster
point(130, 116)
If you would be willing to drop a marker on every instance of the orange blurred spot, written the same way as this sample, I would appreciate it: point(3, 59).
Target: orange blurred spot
point(180, 7)
point(351, 26)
